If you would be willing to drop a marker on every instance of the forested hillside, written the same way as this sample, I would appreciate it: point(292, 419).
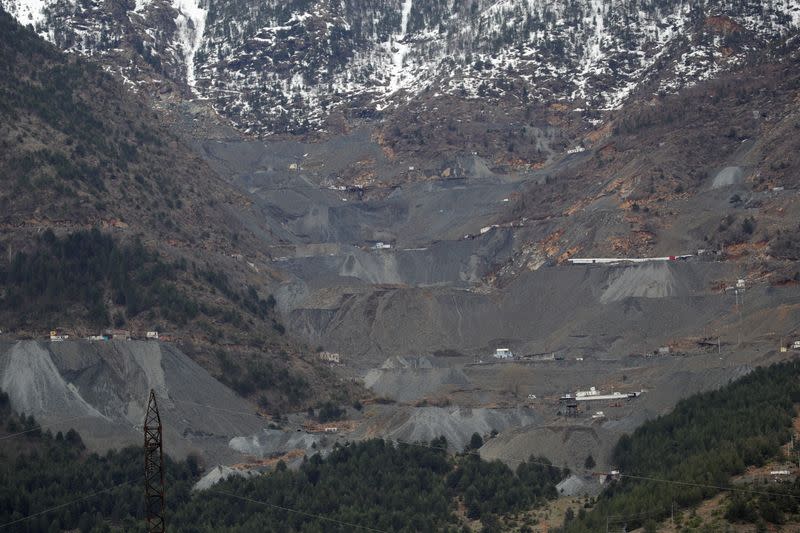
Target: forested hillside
point(691, 454)
point(108, 219)
point(676, 460)
point(80, 152)
point(375, 484)
point(79, 272)
point(39, 470)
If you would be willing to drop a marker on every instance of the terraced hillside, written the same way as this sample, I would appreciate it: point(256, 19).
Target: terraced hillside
point(109, 220)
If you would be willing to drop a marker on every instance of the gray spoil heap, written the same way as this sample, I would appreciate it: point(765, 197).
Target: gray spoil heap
point(588, 311)
point(456, 277)
point(272, 441)
point(456, 424)
point(100, 389)
point(415, 383)
point(301, 191)
point(568, 441)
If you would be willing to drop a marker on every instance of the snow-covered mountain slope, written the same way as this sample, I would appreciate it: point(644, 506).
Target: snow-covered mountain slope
point(290, 65)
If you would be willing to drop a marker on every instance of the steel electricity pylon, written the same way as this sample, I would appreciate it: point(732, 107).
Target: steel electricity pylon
point(153, 468)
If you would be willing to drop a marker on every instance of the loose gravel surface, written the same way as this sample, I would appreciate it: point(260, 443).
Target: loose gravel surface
point(101, 390)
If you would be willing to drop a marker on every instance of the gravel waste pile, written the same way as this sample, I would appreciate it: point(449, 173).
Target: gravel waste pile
point(562, 443)
point(410, 379)
point(655, 280)
point(568, 441)
point(270, 442)
point(221, 473)
point(728, 176)
point(36, 387)
point(101, 389)
point(456, 424)
point(415, 384)
point(609, 310)
point(576, 485)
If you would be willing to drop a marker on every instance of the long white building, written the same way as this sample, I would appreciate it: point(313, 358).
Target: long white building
point(612, 260)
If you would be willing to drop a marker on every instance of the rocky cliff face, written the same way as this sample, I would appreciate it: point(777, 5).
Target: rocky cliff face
point(297, 66)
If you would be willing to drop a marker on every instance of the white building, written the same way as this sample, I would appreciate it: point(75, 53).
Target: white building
point(119, 334)
point(503, 353)
point(593, 394)
point(330, 357)
point(615, 260)
point(151, 335)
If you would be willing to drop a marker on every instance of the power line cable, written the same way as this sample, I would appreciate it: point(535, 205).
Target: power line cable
point(52, 421)
point(41, 426)
point(472, 452)
point(528, 461)
point(290, 510)
point(204, 406)
point(67, 504)
point(662, 514)
point(475, 453)
point(229, 494)
point(620, 518)
point(707, 486)
point(622, 475)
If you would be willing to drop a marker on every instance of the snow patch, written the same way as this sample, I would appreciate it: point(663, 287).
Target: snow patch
point(141, 5)
point(191, 23)
point(27, 11)
point(593, 53)
point(399, 48)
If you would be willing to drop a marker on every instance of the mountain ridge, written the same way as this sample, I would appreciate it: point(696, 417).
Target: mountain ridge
point(301, 67)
